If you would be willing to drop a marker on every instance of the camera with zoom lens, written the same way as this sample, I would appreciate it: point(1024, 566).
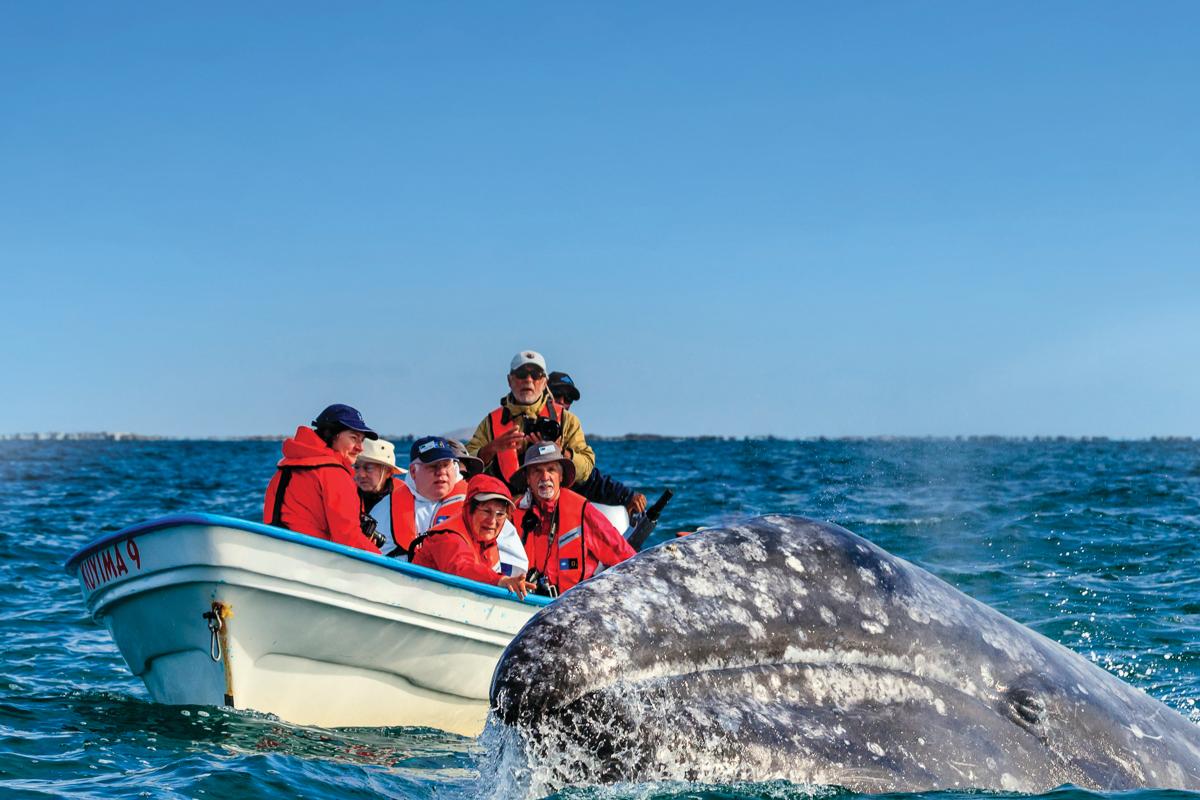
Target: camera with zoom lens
point(369, 525)
point(547, 428)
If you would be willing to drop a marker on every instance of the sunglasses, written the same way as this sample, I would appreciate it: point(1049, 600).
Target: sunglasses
point(536, 374)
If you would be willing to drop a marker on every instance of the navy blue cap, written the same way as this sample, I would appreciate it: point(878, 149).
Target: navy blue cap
point(430, 449)
point(343, 416)
point(561, 385)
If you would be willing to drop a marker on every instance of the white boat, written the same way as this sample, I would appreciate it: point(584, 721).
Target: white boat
point(211, 610)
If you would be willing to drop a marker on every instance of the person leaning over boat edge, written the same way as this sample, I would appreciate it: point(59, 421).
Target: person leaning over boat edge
point(500, 440)
point(313, 489)
point(465, 545)
point(565, 536)
point(432, 492)
point(597, 487)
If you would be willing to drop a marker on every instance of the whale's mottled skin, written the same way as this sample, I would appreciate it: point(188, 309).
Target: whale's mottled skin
point(790, 649)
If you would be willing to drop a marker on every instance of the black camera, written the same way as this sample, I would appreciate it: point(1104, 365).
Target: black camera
point(369, 525)
point(541, 585)
point(547, 428)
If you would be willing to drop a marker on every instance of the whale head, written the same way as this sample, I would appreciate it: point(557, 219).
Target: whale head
point(785, 648)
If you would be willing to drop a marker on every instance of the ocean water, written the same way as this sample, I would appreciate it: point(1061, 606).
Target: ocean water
point(1093, 544)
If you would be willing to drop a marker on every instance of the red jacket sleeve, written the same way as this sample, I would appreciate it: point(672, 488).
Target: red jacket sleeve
point(342, 510)
point(604, 542)
point(447, 552)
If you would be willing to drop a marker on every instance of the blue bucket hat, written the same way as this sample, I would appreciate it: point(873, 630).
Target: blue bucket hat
point(342, 416)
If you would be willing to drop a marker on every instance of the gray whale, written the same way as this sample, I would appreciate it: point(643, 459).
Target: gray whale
point(785, 648)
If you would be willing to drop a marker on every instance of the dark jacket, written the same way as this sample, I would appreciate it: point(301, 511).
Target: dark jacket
point(605, 489)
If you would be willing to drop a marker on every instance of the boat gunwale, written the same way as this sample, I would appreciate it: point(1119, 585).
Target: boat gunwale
point(193, 518)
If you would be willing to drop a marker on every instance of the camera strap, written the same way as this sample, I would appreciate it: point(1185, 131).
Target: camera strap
point(552, 544)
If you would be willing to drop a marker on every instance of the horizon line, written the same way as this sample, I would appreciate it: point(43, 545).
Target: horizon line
point(121, 436)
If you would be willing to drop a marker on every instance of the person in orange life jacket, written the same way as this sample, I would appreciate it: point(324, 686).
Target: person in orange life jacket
point(434, 491)
point(598, 487)
point(501, 438)
point(466, 544)
point(566, 537)
point(376, 474)
point(313, 489)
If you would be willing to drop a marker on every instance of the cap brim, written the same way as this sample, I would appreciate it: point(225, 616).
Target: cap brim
point(519, 483)
point(392, 467)
point(471, 465)
point(484, 496)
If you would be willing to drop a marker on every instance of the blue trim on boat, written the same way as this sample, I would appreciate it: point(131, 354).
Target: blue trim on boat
point(180, 520)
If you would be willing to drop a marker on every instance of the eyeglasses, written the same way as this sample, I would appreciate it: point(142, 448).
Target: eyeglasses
point(522, 374)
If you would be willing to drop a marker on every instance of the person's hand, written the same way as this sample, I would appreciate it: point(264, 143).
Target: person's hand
point(517, 585)
point(512, 440)
point(636, 504)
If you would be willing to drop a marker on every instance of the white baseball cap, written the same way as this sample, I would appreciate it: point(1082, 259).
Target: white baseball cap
point(527, 357)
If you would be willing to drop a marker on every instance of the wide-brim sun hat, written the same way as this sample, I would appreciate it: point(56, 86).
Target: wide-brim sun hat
point(544, 453)
point(379, 451)
point(471, 465)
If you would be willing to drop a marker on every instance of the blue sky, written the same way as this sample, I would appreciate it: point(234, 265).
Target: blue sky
point(790, 218)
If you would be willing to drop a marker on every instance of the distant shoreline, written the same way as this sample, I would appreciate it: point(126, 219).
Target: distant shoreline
point(110, 436)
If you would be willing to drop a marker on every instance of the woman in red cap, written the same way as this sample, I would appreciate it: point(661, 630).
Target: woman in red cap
point(313, 490)
point(465, 545)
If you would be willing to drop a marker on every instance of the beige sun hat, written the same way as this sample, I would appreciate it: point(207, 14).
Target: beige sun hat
point(543, 453)
point(380, 451)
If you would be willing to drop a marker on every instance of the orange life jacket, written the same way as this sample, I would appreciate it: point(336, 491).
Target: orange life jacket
point(562, 556)
point(404, 511)
point(457, 526)
point(502, 421)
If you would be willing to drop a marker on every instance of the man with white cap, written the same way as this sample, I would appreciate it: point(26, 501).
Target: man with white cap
point(528, 415)
point(433, 492)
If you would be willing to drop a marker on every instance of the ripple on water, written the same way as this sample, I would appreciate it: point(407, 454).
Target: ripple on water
point(1093, 544)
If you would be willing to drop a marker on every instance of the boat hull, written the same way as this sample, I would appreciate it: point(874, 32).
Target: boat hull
point(313, 632)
